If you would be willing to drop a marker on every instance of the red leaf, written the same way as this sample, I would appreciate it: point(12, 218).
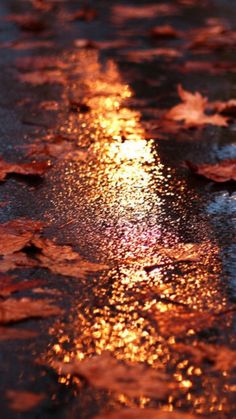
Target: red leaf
point(219, 172)
point(26, 169)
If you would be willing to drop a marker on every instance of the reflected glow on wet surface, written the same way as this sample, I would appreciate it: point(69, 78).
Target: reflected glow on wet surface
point(128, 208)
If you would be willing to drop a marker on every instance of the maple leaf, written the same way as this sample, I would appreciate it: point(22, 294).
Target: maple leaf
point(12, 310)
point(16, 234)
point(219, 172)
point(8, 333)
point(192, 110)
point(26, 169)
point(136, 413)
point(62, 149)
point(22, 401)
point(106, 372)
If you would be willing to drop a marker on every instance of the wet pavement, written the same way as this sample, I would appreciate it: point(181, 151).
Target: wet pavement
point(123, 197)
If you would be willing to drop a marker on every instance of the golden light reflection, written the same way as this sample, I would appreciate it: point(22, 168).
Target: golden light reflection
point(125, 184)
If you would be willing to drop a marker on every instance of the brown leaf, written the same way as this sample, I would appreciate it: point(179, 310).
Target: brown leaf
point(30, 169)
point(16, 234)
point(16, 260)
point(8, 286)
point(86, 13)
point(192, 111)
point(8, 333)
point(12, 310)
point(219, 172)
point(106, 372)
point(22, 401)
point(185, 251)
point(164, 32)
point(136, 413)
point(138, 56)
point(28, 22)
point(178, 321)
point(223, 358)
point(63, 260)
point(42, 77)
point(62, 149)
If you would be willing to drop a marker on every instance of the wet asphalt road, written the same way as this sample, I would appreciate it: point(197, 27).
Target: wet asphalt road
point(131, 196)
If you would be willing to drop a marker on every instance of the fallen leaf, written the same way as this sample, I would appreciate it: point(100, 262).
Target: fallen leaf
point(42, 77)
point(8, 286)
point(26, 169)
point(192, 111)
point(191, 252)
point(178, 321)
point(22, 401)
point(62, 149)
point(63, 260)
point(106, 372)
point(136, 413)
point(28, 22)
point(227, 108)
point(138, 56)
point(16, 234)
point(222, 358)
point(219, 172)
point(121, 13)
point(12, 310)
point(16, 260)
point(8, 333)
point(164, 32)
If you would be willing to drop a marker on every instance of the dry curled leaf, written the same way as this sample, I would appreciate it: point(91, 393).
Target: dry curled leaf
point(22, 401)
point(106, 372)
point(16, 234)
point(136, 413)
point(13, 310)
point(219, 172)
point(26, 169)
point(192, 110)
point(8, 333)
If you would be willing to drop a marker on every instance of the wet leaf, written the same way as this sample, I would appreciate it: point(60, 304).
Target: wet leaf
point(138, 56)
point(28, 22)
point(192, 110)
point(26, 169)
point(175, 320)
point(12, 310)
point(222, 358)
point(106, 372)
point(16, 260)
point(42, 77)
point(136, 413)
point(22, 401)
point(8, 333)
point(164, 32)
point(219, 172)
point(16, 234)
point(62, 149)
point(63, 260)
point(9, 286)
point(191, 252)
